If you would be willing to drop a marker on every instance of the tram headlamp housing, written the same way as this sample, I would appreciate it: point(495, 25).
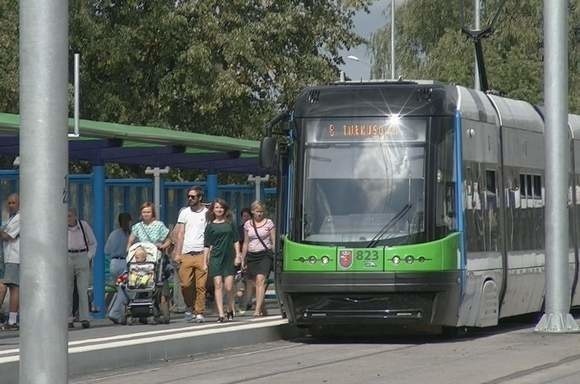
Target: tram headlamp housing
point(409, 259)
point(325, 259)
point(396, 259)
point(394, 119)
point(312, 259)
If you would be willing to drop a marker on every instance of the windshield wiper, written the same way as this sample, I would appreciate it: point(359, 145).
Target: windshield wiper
point(389, 225)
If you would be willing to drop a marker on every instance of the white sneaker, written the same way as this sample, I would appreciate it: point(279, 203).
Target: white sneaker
point(188, 316)
point(199, 318)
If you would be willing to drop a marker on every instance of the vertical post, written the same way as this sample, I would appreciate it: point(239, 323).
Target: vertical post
point(212, 186)
point(477, 6)
point(43, 188)
point(258, 182)
point(99, 229)
point(157, 172)
point(77, 94)
point(392, 39)
point(557, 318)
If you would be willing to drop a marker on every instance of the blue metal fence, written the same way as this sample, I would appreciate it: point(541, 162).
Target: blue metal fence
point(127, 195)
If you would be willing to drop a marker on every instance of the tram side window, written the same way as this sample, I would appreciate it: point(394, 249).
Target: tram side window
point(537, 187)
point(531, 191)
point(490, 189)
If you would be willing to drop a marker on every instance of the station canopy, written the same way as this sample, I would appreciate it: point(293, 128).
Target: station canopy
point(100, 142)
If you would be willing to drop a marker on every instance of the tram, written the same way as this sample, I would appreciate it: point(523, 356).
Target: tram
point(412, 203)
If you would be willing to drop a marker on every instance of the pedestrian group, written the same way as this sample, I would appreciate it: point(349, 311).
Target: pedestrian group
point(212, 256)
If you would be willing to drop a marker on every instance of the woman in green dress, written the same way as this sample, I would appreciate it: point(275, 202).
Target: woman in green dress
point(222, 252)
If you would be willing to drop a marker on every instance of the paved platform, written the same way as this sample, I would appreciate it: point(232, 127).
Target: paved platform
point(107, 346)
point(511, 353)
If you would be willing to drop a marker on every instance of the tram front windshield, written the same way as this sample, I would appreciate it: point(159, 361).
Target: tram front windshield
point(363, 193)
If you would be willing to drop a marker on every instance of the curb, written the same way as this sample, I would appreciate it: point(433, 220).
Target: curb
point(129, 350)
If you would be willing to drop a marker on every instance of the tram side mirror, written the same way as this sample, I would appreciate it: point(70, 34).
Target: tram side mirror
point(268, 153)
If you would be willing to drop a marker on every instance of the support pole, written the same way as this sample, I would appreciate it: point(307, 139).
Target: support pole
point(212, 186)
point(477, 6)
point(157, 172)
point(43, 191)
point(99, 230)
point(77, 57)
point(258, 182)
point(557, 318)
point(392, 39)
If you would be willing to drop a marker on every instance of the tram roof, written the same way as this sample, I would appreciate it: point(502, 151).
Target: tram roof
point(148, 146)
point(377, 98)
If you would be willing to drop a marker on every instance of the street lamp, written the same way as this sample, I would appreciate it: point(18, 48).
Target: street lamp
point(355, 58)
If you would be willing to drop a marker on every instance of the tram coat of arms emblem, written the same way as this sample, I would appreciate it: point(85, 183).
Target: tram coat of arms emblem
point(345, 258)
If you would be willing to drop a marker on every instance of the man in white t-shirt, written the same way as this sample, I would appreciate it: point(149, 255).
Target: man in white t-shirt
point(188, 254)
point(10, 236)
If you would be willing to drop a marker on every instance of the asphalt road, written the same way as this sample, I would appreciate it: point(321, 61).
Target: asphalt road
point(510, 354)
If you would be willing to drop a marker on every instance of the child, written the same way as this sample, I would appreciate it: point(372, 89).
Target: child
point(139, 255)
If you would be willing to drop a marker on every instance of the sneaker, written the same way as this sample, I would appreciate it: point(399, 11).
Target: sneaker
point(199, 318)
point(188, 317)
point(85, 324)
point(10, 327)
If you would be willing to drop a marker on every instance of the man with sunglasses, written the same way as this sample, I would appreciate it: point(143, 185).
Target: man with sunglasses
point(188, 254)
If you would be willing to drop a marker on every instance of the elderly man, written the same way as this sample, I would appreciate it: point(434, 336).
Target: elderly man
point(82, 246)
point(10, 236)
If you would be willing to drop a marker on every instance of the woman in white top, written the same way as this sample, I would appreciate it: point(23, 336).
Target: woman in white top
point(257, 251)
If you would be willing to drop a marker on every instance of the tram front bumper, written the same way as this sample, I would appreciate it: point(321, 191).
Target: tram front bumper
point(396, 298)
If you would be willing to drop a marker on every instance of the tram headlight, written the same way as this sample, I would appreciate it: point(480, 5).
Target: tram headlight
point(325, 259)
point(396, 260)
point(409, 259)
point(421, 259)
point(312, 259)
point(394, 119)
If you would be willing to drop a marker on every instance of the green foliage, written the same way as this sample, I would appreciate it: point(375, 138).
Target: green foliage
point(214, 66)
point(430, 45)
point(218, 67)
point(9, 56)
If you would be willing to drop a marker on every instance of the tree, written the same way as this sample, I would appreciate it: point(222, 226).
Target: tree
point(430, 45)
point(220, 67)
point(214, 66)
point(8, 56)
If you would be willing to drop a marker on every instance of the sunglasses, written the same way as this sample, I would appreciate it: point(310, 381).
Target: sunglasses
point(192, 196)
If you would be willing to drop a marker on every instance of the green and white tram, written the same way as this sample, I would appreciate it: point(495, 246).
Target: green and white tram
point(411, 203)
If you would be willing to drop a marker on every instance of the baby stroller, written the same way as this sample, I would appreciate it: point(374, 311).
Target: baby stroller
point(146, 284)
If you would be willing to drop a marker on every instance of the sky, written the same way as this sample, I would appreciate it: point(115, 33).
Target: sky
point(365, 25)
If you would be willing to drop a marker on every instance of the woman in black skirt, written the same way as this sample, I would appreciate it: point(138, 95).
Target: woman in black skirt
point(257, 251)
